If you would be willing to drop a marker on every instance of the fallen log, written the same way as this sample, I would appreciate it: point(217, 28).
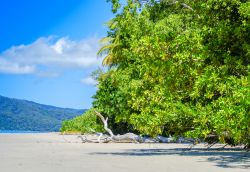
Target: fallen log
point(128, 137)
point(131, 137)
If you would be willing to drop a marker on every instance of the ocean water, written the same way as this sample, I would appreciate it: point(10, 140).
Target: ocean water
point(20, 131)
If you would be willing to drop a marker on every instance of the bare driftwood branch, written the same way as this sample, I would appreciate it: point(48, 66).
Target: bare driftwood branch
point(84, 139)
point(187, 6)
point(131, 137)
point(128, 137)
point(105, 123)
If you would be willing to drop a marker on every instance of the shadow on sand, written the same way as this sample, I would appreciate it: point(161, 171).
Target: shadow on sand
point(225, 158)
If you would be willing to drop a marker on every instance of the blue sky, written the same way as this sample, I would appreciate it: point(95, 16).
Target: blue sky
point(48, 49)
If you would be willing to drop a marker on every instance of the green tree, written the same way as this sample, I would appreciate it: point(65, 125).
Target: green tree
point(178, 67)
point(86, 123)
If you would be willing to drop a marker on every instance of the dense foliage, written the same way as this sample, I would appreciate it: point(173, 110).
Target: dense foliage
point(178, 67)
point(86, 123)
point(25, 115)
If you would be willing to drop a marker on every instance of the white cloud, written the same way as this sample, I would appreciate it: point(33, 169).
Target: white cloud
point(47, 52)
point(88, 81)
point(15, 68)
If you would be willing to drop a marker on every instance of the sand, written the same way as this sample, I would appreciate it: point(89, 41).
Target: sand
point(51, 152)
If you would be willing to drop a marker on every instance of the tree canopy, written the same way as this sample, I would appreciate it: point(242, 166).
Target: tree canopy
point(177, 67)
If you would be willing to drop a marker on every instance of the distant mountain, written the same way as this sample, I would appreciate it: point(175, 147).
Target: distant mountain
point(25, 115)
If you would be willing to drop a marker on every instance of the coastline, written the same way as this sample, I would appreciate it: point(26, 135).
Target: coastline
point(21, 132)
point(52, 152)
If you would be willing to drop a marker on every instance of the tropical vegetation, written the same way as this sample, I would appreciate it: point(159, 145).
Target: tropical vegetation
point(86, 123)
point(179, 67)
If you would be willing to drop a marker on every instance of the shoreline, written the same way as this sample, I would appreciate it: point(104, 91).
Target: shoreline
point(50, 152)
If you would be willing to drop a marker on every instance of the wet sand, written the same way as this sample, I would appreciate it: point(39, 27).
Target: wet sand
point(51, 152)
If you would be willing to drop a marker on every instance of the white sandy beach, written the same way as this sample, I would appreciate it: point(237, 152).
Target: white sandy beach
point(51, 152)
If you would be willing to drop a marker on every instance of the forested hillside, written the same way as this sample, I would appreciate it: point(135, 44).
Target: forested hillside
point(26, 115)
point(177, 68)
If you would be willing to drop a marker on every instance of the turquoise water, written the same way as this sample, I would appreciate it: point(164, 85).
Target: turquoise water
point(20, 132)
